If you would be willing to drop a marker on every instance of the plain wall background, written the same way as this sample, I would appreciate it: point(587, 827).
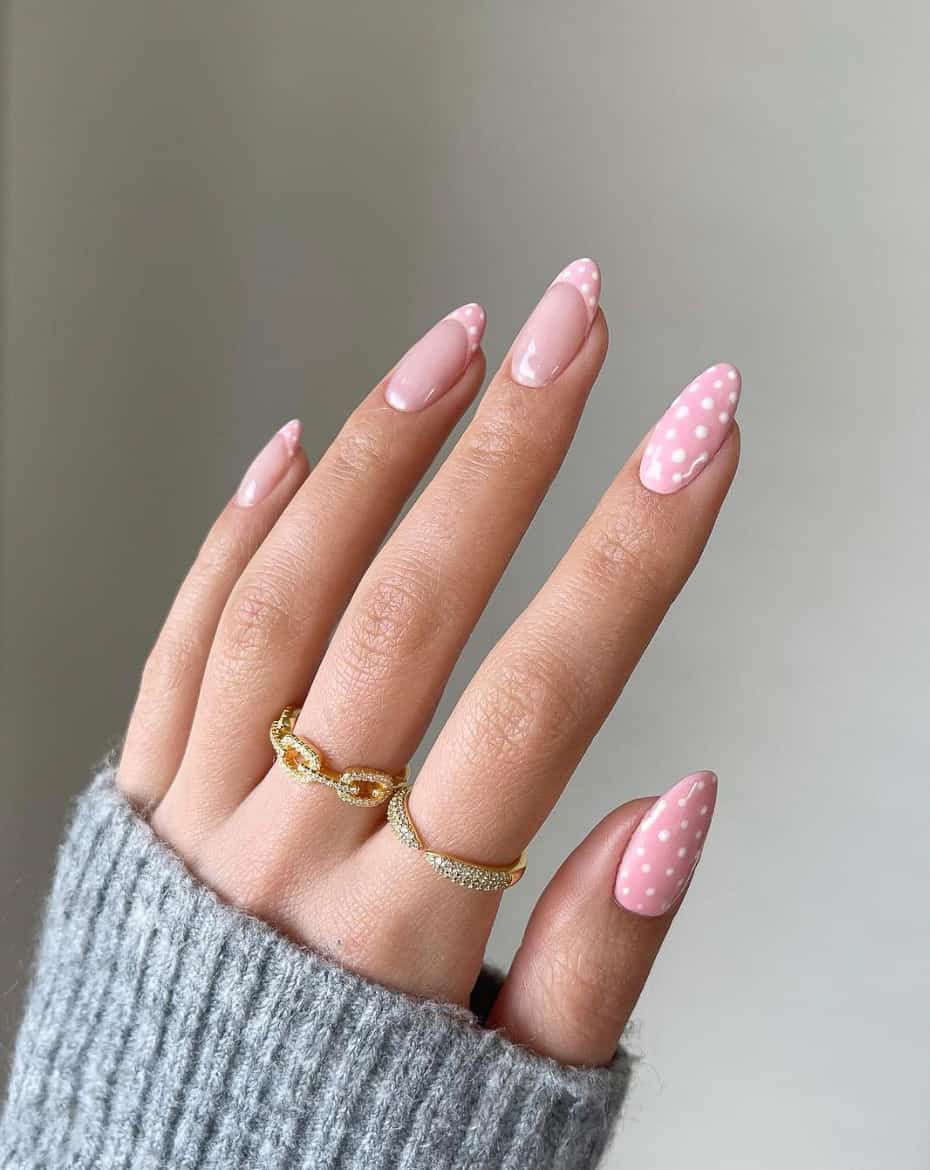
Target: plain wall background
point(220, 215)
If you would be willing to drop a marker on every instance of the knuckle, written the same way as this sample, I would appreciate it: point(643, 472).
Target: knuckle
point(622, 552)
point(257, 619)
point(531, 700)
point(361, 451)
point(505, 440)
point(172, 661)
point(579, 986)
point(393, 622)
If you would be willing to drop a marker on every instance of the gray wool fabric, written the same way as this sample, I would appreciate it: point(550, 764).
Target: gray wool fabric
point(165, 1029)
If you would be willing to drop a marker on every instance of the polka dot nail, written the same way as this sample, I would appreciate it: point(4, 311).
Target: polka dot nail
point(666, 847)
point(558, 326)
point(437, 361)
point(691, 431)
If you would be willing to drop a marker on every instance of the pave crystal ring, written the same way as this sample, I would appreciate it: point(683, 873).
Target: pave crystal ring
point(464, 873)
point(355, 785)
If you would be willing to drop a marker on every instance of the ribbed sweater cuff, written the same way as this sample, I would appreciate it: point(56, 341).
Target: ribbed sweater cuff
point(167, 1029)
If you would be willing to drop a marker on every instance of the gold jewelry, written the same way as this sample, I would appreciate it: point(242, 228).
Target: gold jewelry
point(464, 873)
point(355, 785)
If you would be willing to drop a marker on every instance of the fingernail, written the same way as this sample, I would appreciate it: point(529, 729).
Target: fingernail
point(437, 361)
point(558, 325)
point(666, 846)
point(691, 431)
point(269, 465)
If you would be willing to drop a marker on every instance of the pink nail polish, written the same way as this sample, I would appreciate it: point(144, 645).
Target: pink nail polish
point(437, 361)
point(691, 431)
point(558, 326)
point(666, 846)
point(269, 465)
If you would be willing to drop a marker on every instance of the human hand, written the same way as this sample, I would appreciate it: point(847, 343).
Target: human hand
point(291, 601)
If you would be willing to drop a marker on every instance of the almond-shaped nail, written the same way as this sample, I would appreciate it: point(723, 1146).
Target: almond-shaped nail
point(437, 361)
point(666, 846)
point(558, 326)
point(691, 431)
point(269, 465)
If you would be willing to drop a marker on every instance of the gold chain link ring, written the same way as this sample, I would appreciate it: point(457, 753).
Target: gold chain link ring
point(356, 785)
point(469, 874)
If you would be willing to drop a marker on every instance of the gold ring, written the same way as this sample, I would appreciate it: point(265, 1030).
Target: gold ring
point(464, 873)
point(355, 785)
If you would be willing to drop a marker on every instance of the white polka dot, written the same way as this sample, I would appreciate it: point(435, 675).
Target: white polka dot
point(732, 396)
point(684, 824)
point(676, 478)
point(707, 403)
point(680, 882)
point(682, 802)
point(665, 906)
point(655, 469)
point(700, 783)
point(731, 374)
point(650, 449)
point(670, 871)
point(650, 892)
point(713, 780)
point(701, 431)
point(671, 433)
point(472, 329)
point(469, 311)
point(718, 385)
point(694, 387)
point(664, 834)
point(624, 873)
point(640, 906)
point(682, 412)
point(586, 288)
point(699, 834)
point(723, 416)
point(682, 851)
point(646, 867)
point(640, 851)
point(703, 810)
point(625, 890)
point(678, 456)
point(592, 301)
point(595, 275)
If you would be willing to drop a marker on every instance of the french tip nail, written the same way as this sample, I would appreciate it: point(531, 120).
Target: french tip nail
point(666, 846)
point(434, 364)
point(558, 326)
point(291, 433)
point(693, 429)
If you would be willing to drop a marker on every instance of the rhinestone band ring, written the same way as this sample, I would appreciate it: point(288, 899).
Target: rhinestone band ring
point(469, 874)
point(301, 759)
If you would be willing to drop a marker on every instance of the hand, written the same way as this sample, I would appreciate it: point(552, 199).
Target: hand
point(290, 601)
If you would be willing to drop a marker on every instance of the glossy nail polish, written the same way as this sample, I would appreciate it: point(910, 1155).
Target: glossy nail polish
point(437, 361)
point(558, 326)
point(666, 846)
point(691, 431)
point(269, 465)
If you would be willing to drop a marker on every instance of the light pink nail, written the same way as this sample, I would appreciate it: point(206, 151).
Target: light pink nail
point(691, 431)
point(558, 326)
point(269, 465)
point(437, 361)
point(666, 846)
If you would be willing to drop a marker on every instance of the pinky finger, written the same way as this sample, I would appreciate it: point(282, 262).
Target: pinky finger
point(596, 930)
point(164, 709)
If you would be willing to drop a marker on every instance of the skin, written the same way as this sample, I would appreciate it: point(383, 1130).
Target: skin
point(292, 601)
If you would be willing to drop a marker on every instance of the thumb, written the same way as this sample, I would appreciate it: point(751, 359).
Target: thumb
point(595, 932)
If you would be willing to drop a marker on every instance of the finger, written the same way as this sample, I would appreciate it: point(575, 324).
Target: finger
point(405, 627)
point(164, 708)
point(595, 932)
point(279, 617)
point(530, 712)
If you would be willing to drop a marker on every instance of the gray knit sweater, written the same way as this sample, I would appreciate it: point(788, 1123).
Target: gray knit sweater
point(166, 1029)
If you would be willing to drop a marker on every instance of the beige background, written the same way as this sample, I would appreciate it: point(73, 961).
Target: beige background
point(219, 215)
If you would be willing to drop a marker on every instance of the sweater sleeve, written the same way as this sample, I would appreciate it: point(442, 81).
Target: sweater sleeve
point(166, 1029)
